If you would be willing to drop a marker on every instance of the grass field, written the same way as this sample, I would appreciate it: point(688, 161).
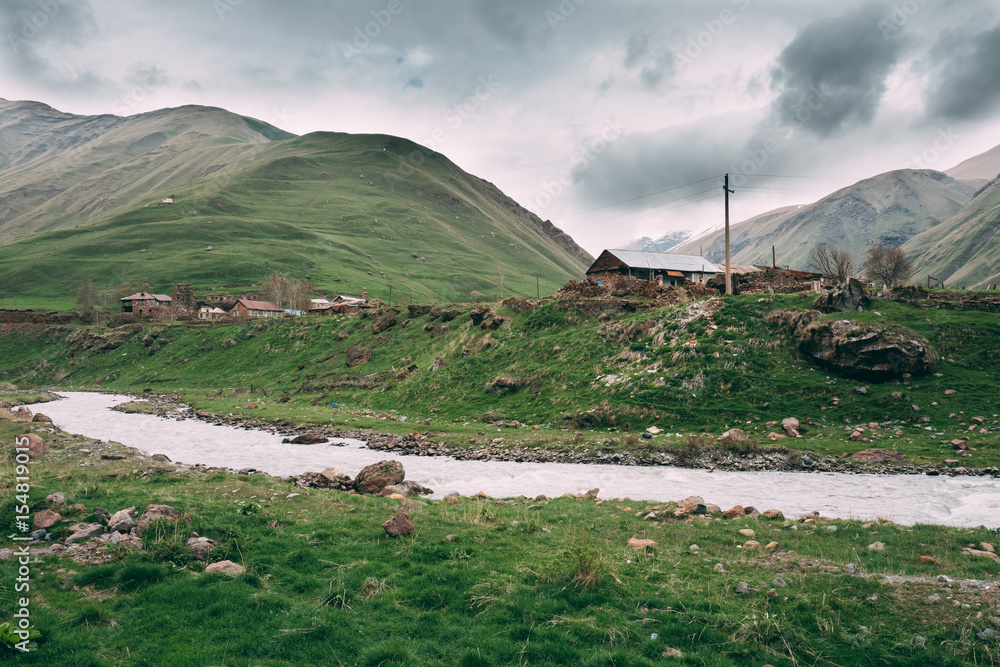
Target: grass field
point(602, 374)
point(528, 582)
point(347, 212)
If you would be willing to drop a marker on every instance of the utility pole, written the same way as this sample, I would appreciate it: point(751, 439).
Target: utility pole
point(729, 267)
point(774, 259)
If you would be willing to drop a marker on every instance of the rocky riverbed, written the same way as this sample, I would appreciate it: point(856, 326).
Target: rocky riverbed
point(713, 454)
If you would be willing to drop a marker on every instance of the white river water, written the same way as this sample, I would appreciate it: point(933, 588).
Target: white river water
point(907, 499)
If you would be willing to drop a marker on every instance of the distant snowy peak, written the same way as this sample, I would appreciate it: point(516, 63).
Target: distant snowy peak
point(665, 243)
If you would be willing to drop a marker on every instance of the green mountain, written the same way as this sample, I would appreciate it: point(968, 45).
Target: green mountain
point(58, 170)
point(964, 251)
point(81, 196)
point(890, 208)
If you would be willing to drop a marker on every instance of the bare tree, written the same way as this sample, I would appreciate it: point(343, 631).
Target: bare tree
point(290, 294)
point(86, 296)
point(499, 279)
point(887, 266)
point(832, 262)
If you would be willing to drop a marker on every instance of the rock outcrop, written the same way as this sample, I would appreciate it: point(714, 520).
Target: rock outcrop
point(858, 350)
point(849, 297)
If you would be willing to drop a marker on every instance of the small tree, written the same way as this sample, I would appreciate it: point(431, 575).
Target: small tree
point(887, 266)
point(86, 296)
point(499, 278)
point(289, 294)
point(832, 262)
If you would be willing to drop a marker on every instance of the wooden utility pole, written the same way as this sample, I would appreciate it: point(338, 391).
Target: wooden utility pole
point(774, 259)
point(729, 267)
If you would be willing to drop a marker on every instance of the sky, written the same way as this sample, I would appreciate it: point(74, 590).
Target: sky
point(613, 119)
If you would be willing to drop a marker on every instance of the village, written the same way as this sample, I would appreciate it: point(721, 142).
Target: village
point(663, 269)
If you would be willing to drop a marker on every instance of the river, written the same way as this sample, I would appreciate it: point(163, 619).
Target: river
point(906, 499)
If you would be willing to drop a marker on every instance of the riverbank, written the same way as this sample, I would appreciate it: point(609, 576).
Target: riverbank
point(587, 377)
point(480, 581)
point(695, 451)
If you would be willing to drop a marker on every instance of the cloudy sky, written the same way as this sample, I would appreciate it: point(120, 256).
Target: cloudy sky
point(612, 118)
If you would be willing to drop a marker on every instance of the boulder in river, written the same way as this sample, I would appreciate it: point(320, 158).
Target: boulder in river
point(39, 417)
point(311, 438)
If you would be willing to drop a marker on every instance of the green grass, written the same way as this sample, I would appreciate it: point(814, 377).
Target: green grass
point(603, 374)
point(340, 210)
point(324, 585)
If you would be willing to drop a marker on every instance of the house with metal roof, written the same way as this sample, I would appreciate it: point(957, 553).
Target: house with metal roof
point(662, 267)
point(144, 303)
point(250, 308)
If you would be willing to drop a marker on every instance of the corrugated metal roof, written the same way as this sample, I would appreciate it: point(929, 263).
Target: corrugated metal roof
point(738, 269)
point(664, 261)
point(143, 296)
point(261, 305)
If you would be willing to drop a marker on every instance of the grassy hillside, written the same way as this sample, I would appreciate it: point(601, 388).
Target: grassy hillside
point(965, 250)
point(349, 212)
point(61, 171)
point(566, 365)
point(479, 582)
point(890, 208)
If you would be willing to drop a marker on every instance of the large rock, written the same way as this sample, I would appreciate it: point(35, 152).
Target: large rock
point(407, 489)
point(311, 438)
point(398, 525)
point(154, 512)
point(226, 567)
point(377, 476)
point(864, 351)
point(39, 417)
point(878, 456)
point(45, 519)
point(790, 426)
point(733, 436)
point(82, 532)
point(122, 521)
point(36, 446)
point(849, 297)
point(22, 414)
point(200, 547)
point(57, 499)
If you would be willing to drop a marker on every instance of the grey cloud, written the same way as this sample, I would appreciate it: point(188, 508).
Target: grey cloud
point(968, 84)
point(843, 61)
point(636, 48)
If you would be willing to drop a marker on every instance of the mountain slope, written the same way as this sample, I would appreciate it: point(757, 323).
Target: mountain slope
point(978, 169)
point(965, 250)
point(350, 212)
point(59, 170)
point(665, 243)
point(889, 208)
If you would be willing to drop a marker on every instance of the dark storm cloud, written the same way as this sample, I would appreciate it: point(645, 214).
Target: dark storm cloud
point(843, 61)
point(32, 32)
point(968, 84)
